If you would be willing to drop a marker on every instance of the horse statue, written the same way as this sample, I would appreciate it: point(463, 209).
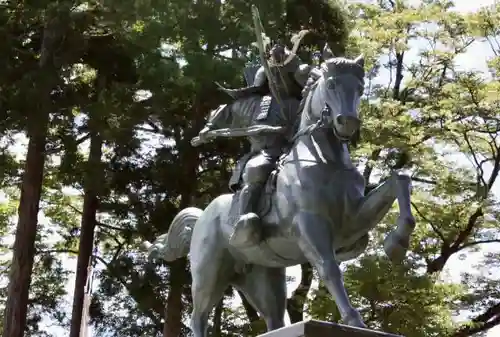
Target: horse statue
point(317, 212)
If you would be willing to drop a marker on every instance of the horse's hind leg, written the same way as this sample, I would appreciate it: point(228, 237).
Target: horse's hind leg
point(211, 270)
point(265, 289)
point(376, 205)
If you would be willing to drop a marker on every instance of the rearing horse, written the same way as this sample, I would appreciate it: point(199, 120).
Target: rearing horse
point(319, 213)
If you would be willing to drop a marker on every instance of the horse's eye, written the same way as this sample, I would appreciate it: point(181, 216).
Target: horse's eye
point(330, 83)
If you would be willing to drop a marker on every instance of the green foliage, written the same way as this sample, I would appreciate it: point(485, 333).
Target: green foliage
point(402, 299)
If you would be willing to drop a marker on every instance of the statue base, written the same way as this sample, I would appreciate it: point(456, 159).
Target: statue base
point(313, 328)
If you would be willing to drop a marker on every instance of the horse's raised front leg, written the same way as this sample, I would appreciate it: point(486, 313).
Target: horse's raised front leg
point(315, 241)
point(377, 203)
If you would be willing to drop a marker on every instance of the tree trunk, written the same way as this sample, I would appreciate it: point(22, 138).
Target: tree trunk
point(295, 305)
point(16, 307)
point(88, 223)
point(173, 310)
point(189, 159)
point(177, 276)
point(217, 330)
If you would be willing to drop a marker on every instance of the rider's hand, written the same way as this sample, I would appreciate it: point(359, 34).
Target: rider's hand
point(203, 134)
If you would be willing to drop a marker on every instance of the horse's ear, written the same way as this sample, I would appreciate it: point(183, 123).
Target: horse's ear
point(360, 61)
point(327, 52)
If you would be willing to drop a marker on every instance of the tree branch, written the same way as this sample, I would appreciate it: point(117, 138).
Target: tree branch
point(479, 165)
point(434, 228)
point(367, 172)
point(252, 315)
point(100, 224)
point(158, 308)
point(471, 222)
point(480, 242)
point(494, 172)
point(57, 149)
point(423, 180)
point(399, 76)
point(481, 323)
point(438, 263)
point(155, 131)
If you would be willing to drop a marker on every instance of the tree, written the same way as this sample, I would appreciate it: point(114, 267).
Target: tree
point(195, 94)
point(23, 252)
point(92, 185)
point(160, 61)
point(425, 107)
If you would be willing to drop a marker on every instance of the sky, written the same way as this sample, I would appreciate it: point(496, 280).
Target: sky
point(455, 266)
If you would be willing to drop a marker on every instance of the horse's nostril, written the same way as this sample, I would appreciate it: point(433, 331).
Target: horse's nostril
point(341, 120)
point(354, 121)
point(348, 123)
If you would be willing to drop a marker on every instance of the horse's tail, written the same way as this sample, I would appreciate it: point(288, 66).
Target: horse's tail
point(175, 243)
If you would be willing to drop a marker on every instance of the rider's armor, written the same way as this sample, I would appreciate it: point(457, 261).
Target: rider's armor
point(289, 80)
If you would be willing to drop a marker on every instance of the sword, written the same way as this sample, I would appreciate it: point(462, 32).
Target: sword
point(238, 132)
point(258, 32)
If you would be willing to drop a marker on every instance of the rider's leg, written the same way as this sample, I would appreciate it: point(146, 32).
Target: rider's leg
point(249, 201)
point(255, 176)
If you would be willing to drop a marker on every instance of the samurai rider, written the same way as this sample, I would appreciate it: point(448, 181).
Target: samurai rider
point(254, 168)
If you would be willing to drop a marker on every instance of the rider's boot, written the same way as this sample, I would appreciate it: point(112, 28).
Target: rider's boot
point(246, 229)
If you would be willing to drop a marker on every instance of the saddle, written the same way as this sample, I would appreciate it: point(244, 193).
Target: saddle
point(266, 199)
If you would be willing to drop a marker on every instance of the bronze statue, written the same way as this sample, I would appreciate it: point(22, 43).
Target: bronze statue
point(255, 105)
point(313, 209)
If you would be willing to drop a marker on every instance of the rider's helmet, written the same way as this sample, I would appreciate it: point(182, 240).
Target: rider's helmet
point(278, 53)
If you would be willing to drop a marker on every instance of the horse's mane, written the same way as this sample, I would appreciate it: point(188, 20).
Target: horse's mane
point(344, 65)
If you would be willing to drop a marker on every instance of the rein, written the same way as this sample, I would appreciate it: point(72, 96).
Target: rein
point(322, 122)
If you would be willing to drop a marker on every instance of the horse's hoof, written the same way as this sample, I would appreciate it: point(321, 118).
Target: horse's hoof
point(145, 246)
point(396, 247)
point(245, 232)
point(153, 256)
point(354, 319)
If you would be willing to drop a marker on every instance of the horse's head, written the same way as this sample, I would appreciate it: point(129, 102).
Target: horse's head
point(340, 88)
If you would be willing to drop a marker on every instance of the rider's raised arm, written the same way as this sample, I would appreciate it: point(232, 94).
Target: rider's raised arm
point(218, 118)
point(302, 74)
point(301, 70)
point(260, 77)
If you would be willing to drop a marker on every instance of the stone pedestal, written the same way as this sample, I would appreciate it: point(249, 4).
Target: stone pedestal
point(314, 328)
